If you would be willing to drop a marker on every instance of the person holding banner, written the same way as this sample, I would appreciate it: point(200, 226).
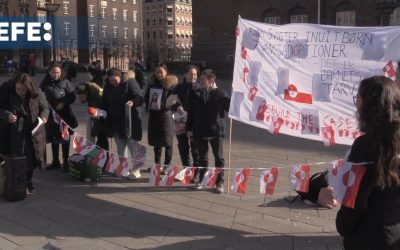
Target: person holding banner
point(60, 95)
point(120, 100)
point(374, 222)
point(160, 118)
point(23, 105)
point(206, 123)
point(184, 91)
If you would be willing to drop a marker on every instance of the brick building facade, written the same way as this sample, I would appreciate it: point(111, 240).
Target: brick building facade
point(214, 22)
point(167, 27)
point(113, 29)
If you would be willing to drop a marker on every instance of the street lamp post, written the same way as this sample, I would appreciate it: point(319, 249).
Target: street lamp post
point(51, 9)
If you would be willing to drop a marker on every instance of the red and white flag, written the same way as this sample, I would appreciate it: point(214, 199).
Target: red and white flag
point(78, 143)
point(186, 175)
point(292, 94)
point(210, 177)
point(56, 117)
point(345, 180)
point(328, 136)
point(154, 178)
point(122, 168)
point(268, 180)
point(111, 164)
point(100, 159)
point(64, 130)
point(240, 179)
point(390, 69)
point(88, 148)
point(299, 177)
point(169, 178)
point(276, 125)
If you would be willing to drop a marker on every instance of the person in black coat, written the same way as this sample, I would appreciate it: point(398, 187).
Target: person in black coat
point(160, 117)
point(206, 123)
point(374, 223)
point(117, 96)
point(184, 91)
point(23, 111)
point(60, 95)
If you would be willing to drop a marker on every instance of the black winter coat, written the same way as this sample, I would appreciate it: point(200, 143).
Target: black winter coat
point(114, 100)
point(207, 112)
point(22, 142)
point(183, 91)
point(160, 121)
point(60, 91)
point(374, 223)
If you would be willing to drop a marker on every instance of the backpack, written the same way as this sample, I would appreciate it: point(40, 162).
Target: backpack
point(315, 184)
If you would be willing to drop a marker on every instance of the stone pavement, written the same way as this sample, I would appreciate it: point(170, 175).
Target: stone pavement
point(129, 214)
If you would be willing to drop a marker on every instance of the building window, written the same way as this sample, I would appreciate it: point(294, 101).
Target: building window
point(161, 34)
point(148, 35)
point(147, 22)
point(66, 28)
point(114, 12)
point(135, 33)
point(125, 33)
point(160, 9)
point(125, 15)
point(298, 15)
point(154, 22)
point(66, 8)
point(169, 9)
point(115, 32)
point(91, 10)
point(92, 30)
point(154, 34)
point(345, 15)
point(147, 10)
point(169, 21)
point(135, 16)
point(104, 31)
point(103, 12)
point(272, 17)
point(160, 21)
point(346, 18)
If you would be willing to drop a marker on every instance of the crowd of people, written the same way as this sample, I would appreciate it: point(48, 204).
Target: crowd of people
point(201, 106)
point(110, 100)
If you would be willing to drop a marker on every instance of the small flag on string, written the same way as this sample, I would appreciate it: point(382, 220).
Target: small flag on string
point(240, 179)
point(56, 117)
point(186, 175)
point(100, 159)
point(210, 177)
point(169, 177)
point(346, 179)
point(299, 177)
point(122, 168)
point(89, 148)
point(154, 178)
point(390, 69)
point(111, 164)
point(64, 130)
point(78, 143)
point(268, 180)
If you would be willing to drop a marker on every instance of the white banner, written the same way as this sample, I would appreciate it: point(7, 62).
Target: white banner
point(300, 79)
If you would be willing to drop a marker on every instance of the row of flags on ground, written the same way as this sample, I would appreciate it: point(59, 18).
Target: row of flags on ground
point(343, 176)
